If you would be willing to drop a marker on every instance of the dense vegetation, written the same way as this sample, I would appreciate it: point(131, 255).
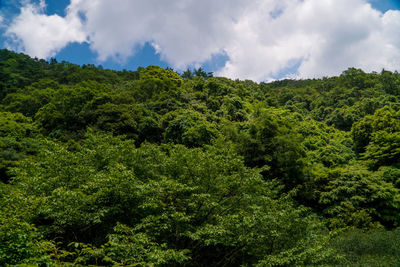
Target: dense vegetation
point(149, 167)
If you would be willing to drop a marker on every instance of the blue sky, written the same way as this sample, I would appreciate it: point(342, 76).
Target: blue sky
point(81, 53)
point(145, 53)
point(385, 5)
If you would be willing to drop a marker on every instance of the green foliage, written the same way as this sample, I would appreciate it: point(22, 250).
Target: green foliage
point(16, 141)
point(325, 144)
point(30, 99)
point(354, 196)
point(153, 168)
point(378, 137)
point(181, 203)
point(371, 248)
point(15, 124)
point(20, 241)
point(155, 80)
point(268, 142)
point(188, 127)
point(63, 115)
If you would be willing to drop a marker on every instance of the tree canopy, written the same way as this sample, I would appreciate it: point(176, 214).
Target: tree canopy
point(156, 168)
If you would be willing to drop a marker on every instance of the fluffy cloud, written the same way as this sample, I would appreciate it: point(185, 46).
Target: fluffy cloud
point(182, 31)
point(262, 38)
point(325, 36)
point(40, 35)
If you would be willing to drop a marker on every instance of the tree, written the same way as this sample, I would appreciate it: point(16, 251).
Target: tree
point(17, 141)
point(163, 204)
point(154, 80)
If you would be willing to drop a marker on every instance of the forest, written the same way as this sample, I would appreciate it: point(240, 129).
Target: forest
point(158, 168)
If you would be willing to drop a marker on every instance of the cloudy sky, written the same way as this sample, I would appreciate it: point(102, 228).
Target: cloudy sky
point(245, 39)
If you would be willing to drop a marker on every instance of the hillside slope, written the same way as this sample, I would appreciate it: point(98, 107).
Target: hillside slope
point(149, 167)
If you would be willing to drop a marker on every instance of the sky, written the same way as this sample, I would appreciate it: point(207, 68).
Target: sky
point(260, 40)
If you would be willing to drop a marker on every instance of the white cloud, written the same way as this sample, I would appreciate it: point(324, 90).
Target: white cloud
point(262, 38)
point(182, 31)
point(328, 36)
point(40, 35)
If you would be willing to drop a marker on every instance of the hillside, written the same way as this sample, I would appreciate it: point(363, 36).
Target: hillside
point(150, 167)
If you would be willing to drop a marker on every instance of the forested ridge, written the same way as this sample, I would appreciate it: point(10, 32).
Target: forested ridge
point(156, 168)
